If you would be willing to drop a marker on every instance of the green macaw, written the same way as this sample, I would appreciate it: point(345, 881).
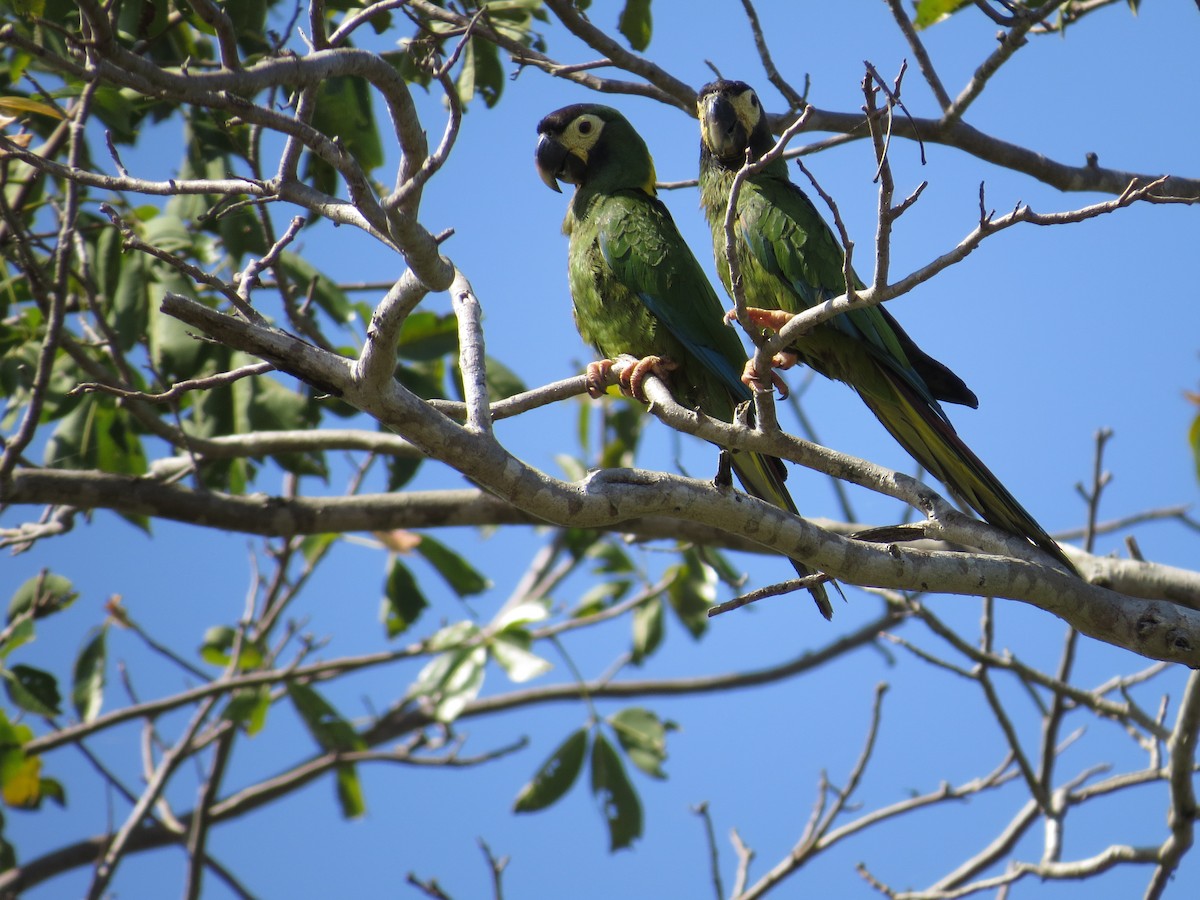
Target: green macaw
point(637, 288)
point(790, 261)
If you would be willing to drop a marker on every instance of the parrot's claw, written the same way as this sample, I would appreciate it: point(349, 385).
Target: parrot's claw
point(596, 378)
point(773, 319)
point(630, 379)
point(751, 380)
point(633, 377)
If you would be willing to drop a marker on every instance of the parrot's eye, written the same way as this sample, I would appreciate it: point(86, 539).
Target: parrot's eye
point(585, 127)
point(754, 101)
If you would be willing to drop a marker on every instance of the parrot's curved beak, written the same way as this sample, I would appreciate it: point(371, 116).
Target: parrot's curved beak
point(551, 158)
point(556, 163)
point(723, 131)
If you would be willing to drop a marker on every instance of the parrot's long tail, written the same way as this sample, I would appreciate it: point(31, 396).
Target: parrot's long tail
point(932, 441)
point(762, 477)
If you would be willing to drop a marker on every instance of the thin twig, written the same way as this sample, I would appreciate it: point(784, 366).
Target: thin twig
point(710, 839)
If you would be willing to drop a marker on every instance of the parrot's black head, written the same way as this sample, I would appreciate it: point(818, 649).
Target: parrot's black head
point(732, 121)
point(593, 146)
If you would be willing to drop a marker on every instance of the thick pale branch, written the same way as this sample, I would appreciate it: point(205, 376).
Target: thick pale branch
point(1155, 629)
point(288, 516)
point(472, 361)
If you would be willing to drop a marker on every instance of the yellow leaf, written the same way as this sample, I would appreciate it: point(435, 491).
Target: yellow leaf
point(22, 786)
point(25, 105)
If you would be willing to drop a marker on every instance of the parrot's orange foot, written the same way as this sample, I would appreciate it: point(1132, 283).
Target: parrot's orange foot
point(633, 377)
point(785, 359)
point(763, 318)
point(596, 378)
point(751, 379)
point(768, 318)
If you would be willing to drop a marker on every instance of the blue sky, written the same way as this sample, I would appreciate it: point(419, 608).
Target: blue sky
point(1059, 331)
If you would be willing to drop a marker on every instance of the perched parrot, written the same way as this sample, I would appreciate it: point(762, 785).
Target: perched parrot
point(790, 261)
point(637, 288)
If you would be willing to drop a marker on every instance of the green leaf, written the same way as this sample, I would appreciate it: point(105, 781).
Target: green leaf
point(174, 348)
point(325, 293)
point(87, 676)
point(579, 541)
point(930, 12)
point(643, 737)
point(618, 800)
point(623, 424)
point(52, 789)
point(20, 774)
point(32, 690)
point(45, 593)
point(583, 426)
point(21, 634)
point(462, 684)
point(344, 111)
point(726, 572)
point(248, 708)
point(692, 592)
point(611, 559)
point(555, 776)
point(520, 615)
point(403, 601)
point(30, 8)
point(511, 650)
point(427, 336)
point(217, 648)
point(459, 574)
point(332, 733)
point(401, 470)
point(120, 112)
point(124, 281)
point(600, 597)
point(249, 18)
point(464, 85)
point(328, 728)
point(349, 792)
point(502, 381)
point(1194, 439)
point(168, 232)
point(315, 546)
point(242, 233)
point(427, 380)
point(454, 636)
point(451, 680)
point(635, 23)
point(489, 72)
point(263, 403)
point(648, 629)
